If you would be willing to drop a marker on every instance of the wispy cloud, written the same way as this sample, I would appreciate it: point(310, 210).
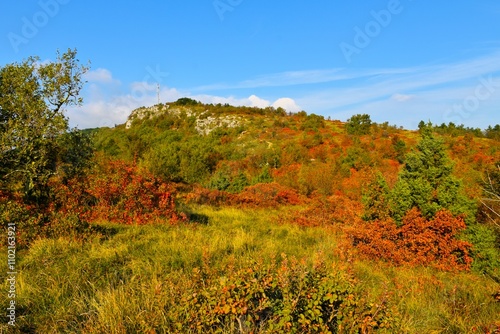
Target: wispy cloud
point(293, 78)
point(411, 80)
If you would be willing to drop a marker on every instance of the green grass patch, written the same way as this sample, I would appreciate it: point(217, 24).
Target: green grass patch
point(240, 271)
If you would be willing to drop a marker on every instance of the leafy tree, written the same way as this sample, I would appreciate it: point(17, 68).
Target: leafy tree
point(493, 132)
point(186, 101)
point(422, 125)
point(485, 235)
point(33, 98)
point(164, 161)
point(198, 159)
point(75, 154)
point(313, 122)
point(426, 182)
point(359, 124)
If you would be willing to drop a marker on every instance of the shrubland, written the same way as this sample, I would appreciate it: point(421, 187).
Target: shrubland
point(213, 218)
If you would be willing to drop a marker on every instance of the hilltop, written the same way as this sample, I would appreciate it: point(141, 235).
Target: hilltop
point(218, 145)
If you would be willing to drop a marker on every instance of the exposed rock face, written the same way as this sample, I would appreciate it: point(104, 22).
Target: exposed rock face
point(144, 112)
point(206, 125)
point(205, 121)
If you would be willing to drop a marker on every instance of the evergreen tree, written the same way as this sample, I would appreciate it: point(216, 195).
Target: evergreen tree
point(359, 125)
point(239, 183)
point(375, 199)
point(264, 176)
point(426, 182)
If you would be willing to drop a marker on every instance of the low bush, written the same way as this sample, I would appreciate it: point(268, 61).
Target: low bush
point(277, 298)
point(419, 241)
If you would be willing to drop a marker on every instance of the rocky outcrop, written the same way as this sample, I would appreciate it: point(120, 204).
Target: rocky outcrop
point(204, 124)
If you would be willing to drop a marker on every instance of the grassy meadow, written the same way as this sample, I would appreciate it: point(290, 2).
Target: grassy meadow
point(142, 279)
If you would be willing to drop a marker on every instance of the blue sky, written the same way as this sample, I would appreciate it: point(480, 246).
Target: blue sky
point(399, 61)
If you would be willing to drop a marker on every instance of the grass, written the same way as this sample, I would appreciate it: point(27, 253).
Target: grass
point(130, 281)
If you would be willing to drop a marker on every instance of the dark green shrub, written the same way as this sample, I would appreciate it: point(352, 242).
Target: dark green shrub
point(358, 125)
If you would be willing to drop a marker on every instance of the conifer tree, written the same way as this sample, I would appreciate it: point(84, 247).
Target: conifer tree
point(427, 183)
point(375, 199)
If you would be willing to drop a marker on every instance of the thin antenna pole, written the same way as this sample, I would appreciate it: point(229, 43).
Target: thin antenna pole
point(158, 92)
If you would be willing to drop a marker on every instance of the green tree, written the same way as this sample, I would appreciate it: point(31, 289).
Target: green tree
point(313, 122)
point(75, 154)
point(359, 124)
point(426, 182)
point(399, 147)
point(376, 199)
point(198, 160)
point(239, 183)
point(186, 101)
point(221, 180)
point(163, 161)
point(264, 176)
point(493, 132)
point(33, 98)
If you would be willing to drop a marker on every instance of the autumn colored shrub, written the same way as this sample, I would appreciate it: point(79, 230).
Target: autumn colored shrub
point(418, 241)
point(316, 177)
point(118, 192)
point(19, 217)
point(336, 209)
point(287, 175)
point(123, 193)
point(268, 195)
point(31, 222)
point(277, 298)
point(215, 197)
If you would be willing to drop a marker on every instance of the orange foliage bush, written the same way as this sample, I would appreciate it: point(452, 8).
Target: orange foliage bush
point(200, 195)
point(352, 186)
point(268, 195)
point(419, 241)
point(118, 192)
point(323, 212)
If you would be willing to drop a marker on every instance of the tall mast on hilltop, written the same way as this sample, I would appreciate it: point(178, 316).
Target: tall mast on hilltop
point(158, 92)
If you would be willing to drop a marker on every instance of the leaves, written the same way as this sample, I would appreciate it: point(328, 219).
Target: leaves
point(32, 101)
point(419, 241)
point(426, 182)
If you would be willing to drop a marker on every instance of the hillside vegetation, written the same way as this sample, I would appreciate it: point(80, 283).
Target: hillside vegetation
point(197, 218)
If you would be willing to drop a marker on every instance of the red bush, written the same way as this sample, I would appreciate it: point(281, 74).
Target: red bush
point(268, 195)
point(419, 241)
point(215, 197)
point(335, 209)
point(117, 192)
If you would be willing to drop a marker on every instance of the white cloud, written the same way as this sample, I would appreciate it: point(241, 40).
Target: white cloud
point(100, 75)
point(252, 101)
point(286, 103)
point(258, 102)
point(114, 108)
